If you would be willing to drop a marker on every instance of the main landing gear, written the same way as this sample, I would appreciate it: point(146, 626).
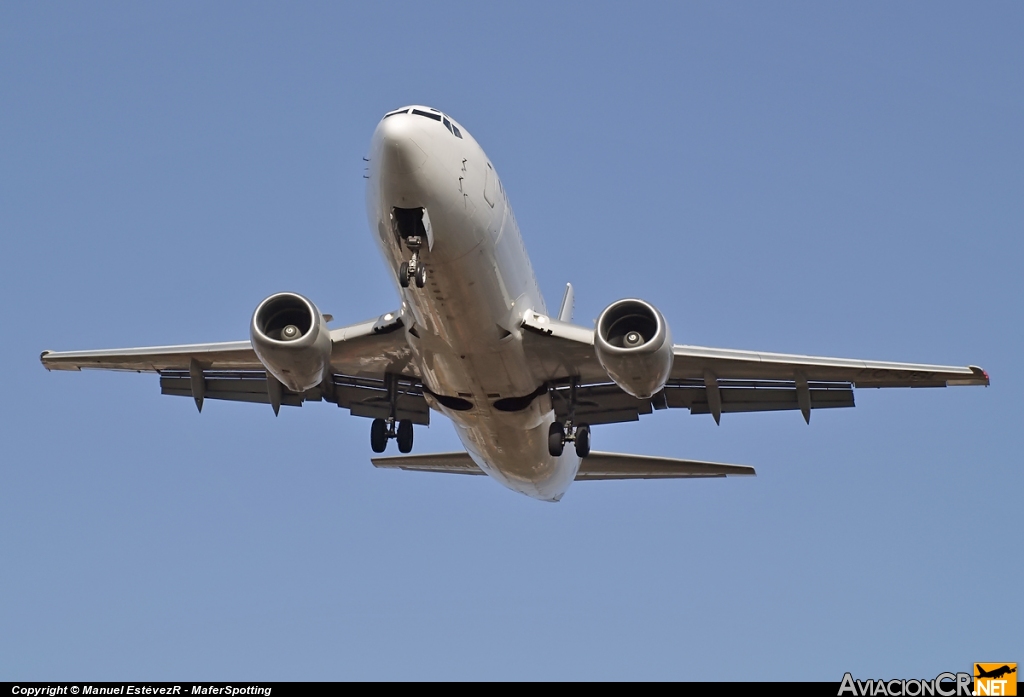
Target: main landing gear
point(559, 433)
point(414, 268)
point(383, 430)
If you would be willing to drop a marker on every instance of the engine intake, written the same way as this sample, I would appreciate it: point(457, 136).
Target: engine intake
point(291, 339)
point(634, 345)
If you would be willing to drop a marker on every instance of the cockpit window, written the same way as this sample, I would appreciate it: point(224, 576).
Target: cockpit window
point(436, 116)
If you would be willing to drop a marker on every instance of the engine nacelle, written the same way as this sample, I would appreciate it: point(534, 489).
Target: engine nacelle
point(634, 345)
point(291, 339)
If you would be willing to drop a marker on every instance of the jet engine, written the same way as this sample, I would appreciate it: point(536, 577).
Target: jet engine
point(291, 339)
point(634, 345)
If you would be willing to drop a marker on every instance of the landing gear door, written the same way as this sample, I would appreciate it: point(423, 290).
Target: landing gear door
point(429, 230)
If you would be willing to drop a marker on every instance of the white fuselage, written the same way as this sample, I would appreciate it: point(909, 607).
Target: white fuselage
point(464, 325)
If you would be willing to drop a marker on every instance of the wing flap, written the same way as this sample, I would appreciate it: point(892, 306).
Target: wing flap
point(235, 386)
point(361, 396)
point(757, 395)
point(607, 403)
point(369, 397)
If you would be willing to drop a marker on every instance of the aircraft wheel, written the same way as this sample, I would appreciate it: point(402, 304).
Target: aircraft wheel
point(583, 440)
point(378, 436)
point(403, 274)
point(556, 439)
point(421, 276)
point(405, 436)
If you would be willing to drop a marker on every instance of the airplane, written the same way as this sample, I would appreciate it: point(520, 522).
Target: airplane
point(996, 673)
point(474, 341)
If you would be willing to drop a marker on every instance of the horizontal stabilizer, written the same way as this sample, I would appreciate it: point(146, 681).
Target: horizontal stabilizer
point(449, 463)
point(596, 465)
point(599, 465)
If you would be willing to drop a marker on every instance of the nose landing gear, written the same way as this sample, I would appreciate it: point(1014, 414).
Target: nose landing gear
point(414, 268)
point(412, 226)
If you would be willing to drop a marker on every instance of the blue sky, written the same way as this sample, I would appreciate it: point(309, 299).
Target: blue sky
point(838, 179)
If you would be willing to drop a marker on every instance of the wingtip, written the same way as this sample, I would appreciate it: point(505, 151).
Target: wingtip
point(983, 373)
point(980, 377)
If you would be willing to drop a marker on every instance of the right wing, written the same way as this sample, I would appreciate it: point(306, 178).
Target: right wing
point(715, 381)
point(363, 355)
point(596, 465)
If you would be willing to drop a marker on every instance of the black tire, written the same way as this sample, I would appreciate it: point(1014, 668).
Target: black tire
point(403, 274)
point(556, 439)
point(405, 436)
point(378, 436)
point(421, 276)
point(583, 440)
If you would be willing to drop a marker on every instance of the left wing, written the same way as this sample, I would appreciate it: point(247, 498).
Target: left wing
point(364, 358)
point(715, 381)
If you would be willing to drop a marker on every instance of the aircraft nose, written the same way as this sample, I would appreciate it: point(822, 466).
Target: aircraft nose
point(401, 155)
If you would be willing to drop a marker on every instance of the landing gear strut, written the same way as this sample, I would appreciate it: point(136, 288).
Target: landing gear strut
point(414, 268)
point(559, 433)
point(383, 430)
